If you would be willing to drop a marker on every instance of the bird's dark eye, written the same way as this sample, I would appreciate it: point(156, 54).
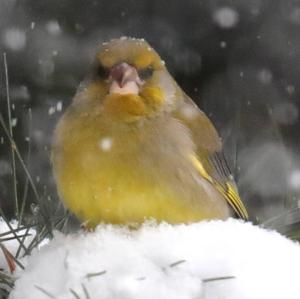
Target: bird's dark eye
point(146, 73)
point(102, 72)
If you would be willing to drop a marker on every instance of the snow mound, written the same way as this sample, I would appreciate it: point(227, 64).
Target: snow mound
point(214, 259)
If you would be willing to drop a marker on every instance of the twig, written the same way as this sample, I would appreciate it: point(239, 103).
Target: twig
point(13, 159)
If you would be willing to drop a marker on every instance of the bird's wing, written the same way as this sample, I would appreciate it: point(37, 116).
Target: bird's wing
point(208, 158)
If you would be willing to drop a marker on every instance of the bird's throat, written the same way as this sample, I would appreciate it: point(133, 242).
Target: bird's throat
point(125, 107)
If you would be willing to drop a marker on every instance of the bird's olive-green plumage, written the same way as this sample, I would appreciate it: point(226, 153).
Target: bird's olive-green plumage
point(123, 158)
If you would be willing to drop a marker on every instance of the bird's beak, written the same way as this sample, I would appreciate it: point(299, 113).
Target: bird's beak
point(124, 79)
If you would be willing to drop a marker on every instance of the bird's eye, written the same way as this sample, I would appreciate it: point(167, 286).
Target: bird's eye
point(146, 73)
point(101, 72)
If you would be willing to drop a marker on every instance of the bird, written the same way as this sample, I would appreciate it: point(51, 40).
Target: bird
point(133, 146)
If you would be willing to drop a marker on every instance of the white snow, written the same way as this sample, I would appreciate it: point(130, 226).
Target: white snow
point(51, 110)
point(290, 89)
point(286, 113)
point(5, 167)
point(164, 261)
point(295, 16)
point(47, 66)
point(270, 162)
point(14, 39)
point(223, 44)
point(189, 112)
point(225, 17)
point(14, 122)
point(105, 144)
point(20, 93)
point(294, 179)
point(59, 106)
point(265, 76)
point(53, 27)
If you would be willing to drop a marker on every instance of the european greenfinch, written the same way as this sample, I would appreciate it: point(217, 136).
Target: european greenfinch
point(133, 146)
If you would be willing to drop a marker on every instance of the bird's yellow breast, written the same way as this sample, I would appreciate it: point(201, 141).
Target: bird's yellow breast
point(122, 173)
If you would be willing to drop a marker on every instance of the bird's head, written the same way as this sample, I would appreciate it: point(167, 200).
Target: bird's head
point(130, 80)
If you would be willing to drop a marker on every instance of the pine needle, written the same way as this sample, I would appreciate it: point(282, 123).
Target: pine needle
point(13, 159)
point(85, 291)
point(177, 263)
point(90, 275)
point(15, 153)
point(25, 192)
point(217, 278)
point(45, 292)
point(74, 293)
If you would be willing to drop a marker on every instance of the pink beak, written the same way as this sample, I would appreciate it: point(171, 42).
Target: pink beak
point(124, 73)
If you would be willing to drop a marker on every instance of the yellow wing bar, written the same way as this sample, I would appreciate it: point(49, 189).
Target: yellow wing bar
point(227, 189)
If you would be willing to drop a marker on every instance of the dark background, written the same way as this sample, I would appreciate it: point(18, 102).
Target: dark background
point(239, 60)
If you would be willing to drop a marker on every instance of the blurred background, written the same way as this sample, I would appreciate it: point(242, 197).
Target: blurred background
point(238, 59)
